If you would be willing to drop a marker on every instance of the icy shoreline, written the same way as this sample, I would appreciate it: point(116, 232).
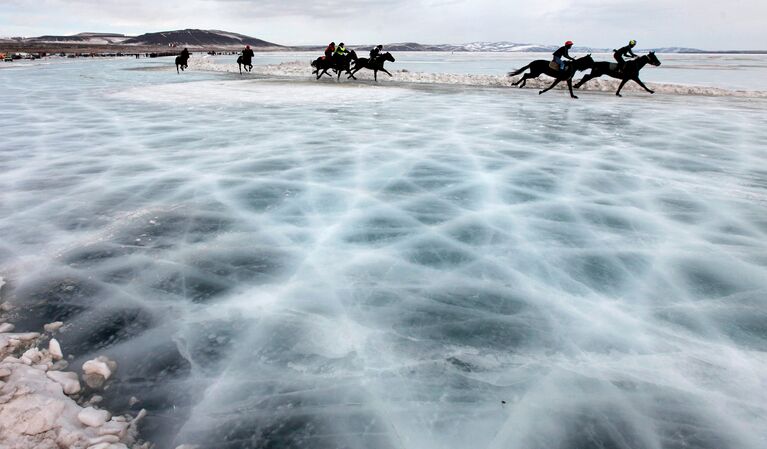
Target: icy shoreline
point(303, 70)
point(42, 405)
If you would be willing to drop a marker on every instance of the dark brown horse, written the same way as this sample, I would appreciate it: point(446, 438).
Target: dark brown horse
point(540, 67)
point(182, 62)
point(630, 71)
point(246, 62)
point(376, 66)
point(339, 64)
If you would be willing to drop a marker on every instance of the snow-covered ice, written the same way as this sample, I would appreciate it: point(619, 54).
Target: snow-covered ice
point(277, 263)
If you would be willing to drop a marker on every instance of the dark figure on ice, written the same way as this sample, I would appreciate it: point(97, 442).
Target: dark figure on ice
point(330, 50)
point(182, 60)
point(340, 51)
point(629, 73)
point(624, 52)
point(563, 52)
point(541, 66)
point(376, 66)
point(246, 59)
point(375, 53)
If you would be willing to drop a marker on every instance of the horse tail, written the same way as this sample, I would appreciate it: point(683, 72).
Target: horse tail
point(517, 72)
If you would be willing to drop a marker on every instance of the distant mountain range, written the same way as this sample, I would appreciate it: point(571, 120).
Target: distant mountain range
point(195, 38)
point(179, 38)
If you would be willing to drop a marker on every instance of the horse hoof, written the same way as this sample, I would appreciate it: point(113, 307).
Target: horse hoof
point(575, 97)
point(540, 92)
point(619, 95)
point(652, 91)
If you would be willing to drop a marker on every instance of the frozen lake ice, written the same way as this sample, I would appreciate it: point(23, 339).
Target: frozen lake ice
point(284, 264)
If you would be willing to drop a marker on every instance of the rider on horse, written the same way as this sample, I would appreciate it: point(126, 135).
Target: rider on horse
point(330, 50)
point(184, 54)
point(624, 52)
point(562, 52)
point(341, 50)
point(247, 54)
point(374, 53)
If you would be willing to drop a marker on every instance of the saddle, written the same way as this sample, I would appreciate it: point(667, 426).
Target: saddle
point(554, 66)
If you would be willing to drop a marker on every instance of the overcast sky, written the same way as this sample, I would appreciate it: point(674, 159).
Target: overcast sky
point(715, 25)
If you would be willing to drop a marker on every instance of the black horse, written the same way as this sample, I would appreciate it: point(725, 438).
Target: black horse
point(339, 64)
point(541, 66)
point(376, 66)
point(630, 71)
point(246, 62)
point(181, 62)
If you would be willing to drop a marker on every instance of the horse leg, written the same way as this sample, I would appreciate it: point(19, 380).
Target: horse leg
point(240, 67)
point(570, 87)
point(525, 78)
point(386, 72)
point(177, 69)
point(584, 80)
point(623, 83)
point(375, 75)
point(550, 87)
point(638, 81)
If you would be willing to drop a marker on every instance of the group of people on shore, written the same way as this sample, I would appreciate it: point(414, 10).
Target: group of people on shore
point(623, 52)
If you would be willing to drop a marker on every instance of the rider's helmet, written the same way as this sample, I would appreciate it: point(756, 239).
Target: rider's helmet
point(632, 42)
point(569, 43)
point(341, 44)
point(380, 47)
point(333, 44)
point(248, 47)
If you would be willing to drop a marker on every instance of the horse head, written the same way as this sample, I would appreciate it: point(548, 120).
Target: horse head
point(584, 63)
point(353, 55)
point(653, 59)
point(388, 57)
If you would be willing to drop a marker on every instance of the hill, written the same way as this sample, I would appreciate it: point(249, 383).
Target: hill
point(198, 38)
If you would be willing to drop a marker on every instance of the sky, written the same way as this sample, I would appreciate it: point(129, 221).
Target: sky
point(705, 24)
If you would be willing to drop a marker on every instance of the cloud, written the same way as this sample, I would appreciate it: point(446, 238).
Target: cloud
point(701, 23)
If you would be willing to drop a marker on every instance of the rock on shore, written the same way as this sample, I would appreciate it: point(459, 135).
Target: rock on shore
point(38, 407)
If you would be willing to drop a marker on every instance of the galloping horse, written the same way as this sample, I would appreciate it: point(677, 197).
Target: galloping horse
point(181, 62)
point(630, 71)
point(376, 66)
point(541, 66)
point(338, 63)
point(247, 62)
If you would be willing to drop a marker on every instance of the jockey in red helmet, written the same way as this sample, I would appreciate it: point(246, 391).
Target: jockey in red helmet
point(562, 52)
point(330, 50)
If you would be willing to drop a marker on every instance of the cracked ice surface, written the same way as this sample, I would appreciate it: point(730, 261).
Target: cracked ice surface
point(300, 269)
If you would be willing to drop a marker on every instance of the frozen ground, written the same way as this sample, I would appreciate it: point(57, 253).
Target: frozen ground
point(278, 263)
